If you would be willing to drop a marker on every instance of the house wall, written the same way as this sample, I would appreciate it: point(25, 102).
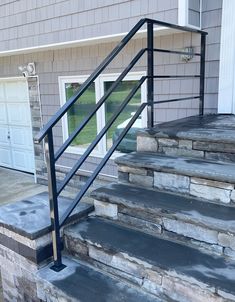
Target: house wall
point(32, 23)
point(83, 60)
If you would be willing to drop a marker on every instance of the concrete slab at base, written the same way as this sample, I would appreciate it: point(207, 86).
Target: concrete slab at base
point(81, 283)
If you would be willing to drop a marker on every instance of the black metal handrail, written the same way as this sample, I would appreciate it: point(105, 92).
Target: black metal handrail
point(47, 131)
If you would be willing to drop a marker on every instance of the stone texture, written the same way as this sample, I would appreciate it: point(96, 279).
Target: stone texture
point(105, 209)
point(190, 230)
point(142, 180)
point(210, 193)
point(233, 196)
point(226, 240)
point(166, 142)
point(229, 252)
point(214, 147)
point(229, 157)
point(123, 176)
point(182, 152)
point(147, 144)
point(117, 261)
point(144, 225)
point(185, 292)
point(172, 182)
point(211, 183)
point(127, 169)
point(185, 144)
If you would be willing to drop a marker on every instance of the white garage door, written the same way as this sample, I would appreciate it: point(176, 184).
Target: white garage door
point(16, 141)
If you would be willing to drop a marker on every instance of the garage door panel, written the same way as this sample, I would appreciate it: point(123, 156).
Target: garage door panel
point(16, 141)
point(21, 137)
point(3, 114)
point(2, 92)
point(18, 114)
point(16, 92)
point(4, 136)
point(22, 160)
point(5, 157)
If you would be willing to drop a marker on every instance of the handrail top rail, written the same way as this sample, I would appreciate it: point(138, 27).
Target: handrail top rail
point(60, 113)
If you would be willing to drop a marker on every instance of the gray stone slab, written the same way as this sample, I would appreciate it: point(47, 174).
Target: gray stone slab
point(78, 282)
point(31, 217)
point(215, 128)
point(211, 215)
point(209, 169)
point(171, 256)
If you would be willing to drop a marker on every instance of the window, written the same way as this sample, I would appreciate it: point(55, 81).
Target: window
point(190, 13)
point(84, 105)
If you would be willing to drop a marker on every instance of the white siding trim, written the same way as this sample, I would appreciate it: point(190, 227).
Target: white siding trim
point(226, 102)
point(158, 31)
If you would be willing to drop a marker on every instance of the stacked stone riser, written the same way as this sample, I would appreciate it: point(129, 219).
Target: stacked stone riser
point(186, 147)
point(151, 279)
point(158, 223)
point(220, 192)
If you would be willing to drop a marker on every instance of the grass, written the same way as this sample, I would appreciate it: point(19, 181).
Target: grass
point(86, 103)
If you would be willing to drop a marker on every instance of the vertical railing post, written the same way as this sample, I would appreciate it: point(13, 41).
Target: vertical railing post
point(202, 73)
point(150, 73)
point(54, 212)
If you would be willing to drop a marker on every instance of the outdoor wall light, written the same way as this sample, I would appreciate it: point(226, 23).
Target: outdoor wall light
point(28, 70)
point(187, 57)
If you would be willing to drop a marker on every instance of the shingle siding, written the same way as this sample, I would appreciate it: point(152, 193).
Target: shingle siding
point(53, 22)
point(32, 23)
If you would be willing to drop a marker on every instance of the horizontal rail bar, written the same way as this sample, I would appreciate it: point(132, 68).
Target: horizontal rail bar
point(178, 27)
point(177, 52)
point(178, 99)
point(100, 166)
point(99, 136)
point(102, 66)
point(99, 104)
point(88, 82)
point(176, 76)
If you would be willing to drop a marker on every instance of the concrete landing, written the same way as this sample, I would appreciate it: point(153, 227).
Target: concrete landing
point(81, 283)
point(16, 185)
point(218, 127)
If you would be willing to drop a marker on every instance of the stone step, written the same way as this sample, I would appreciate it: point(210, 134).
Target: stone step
point(163, 266)
point(206, 179)
point(208, 136)
point(208, 225)
point(82, 283)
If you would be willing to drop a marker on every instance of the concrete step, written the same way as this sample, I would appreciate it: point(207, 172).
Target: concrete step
point(208, 225)
point(206, 179)
point(82, 283)
point(163, 266)
point(208, 136)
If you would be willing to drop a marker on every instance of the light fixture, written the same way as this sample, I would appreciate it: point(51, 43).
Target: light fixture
point(28, 70)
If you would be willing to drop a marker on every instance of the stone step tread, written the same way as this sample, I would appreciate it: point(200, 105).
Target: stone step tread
point(211, 215)
point(207, 169)
point(31, 217)
point(79, 282)
point(167, 255)
point(214, 128)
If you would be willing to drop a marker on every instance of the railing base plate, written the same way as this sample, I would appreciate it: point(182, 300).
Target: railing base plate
point(58, 268)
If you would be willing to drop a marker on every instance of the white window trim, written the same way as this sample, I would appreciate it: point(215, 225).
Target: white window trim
point(226, 97)
point(99, 91)
point(183, 14)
